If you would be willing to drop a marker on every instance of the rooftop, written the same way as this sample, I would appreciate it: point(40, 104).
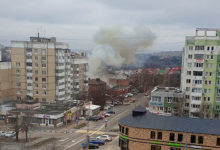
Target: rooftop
point(96, 81)
point(166, 89)
point(148, 120)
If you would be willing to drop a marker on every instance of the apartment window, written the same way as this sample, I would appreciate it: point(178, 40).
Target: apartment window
point(43, 72)
point(29, 84)
point(175, 148)
point(36, 65)
point(207, 65)
point(159, 135)
point(205, 90)
point(18, 97)
point(187, 88)
point(189, 64)
point(126, 131)
point(207, 56)
point(43, 79)
point(152, 134)
point(17, 64)
point(218, 142)
point(210, 82)
point(197, 73)
point(197, 90)
point(187, 96)
point(36, 58)
point(209, 90)
point(44, 92)
point(43, 51)
point(217, 99)
point(180, 137)
point(190, 56)
point(197, 81)
point(43, 58)
point(199, 47)
point(36, 92)
point(36, 72)
point(188, 72)
point(217, 107)
point(29, 64)
point(172, 137)
point(218, 65)
point(210, 73)
point(210, 65)
point(17, 71)
point(188, 80)
point(169, 99)
point(36, 85)
point(206, 73)
point(193, 139)
point(29, 71)
point(44, 86)
point(212, 48)
point(44, 100)
point(200, 139)
point(204, 98)
point(197, 98)
point(43, 65)
point(18, 84)
point(122, 130)
point(198, 65)
point(218, 91)
point(198, 56)
point(211, 56)
point(190, 47)
point(35, 51)
point(208, 48)
point(17, 78)
point(206, 81)
point(36, 78)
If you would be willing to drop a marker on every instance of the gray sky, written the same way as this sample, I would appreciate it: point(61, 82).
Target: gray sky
point(76, 21)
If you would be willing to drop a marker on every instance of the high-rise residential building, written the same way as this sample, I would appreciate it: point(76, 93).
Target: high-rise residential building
point(41, 69)
point(200, 77)
point(80, 75)
point(7, 91)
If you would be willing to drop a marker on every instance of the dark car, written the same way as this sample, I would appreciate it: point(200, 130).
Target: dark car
point(98, 142)
point(91, 146)
point(93, 118)
point(110, 112)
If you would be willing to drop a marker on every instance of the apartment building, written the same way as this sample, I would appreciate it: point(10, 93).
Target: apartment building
point(7, 91)
point(80, 75)
point(167, 101)
point(41, 69)
point(200, 77)
point(143, 130)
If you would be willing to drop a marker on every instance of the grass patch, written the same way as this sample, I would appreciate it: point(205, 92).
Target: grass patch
point(80, 126)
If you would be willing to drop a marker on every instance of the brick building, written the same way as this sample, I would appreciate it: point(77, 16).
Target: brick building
point(146, 131)
point(97, 91)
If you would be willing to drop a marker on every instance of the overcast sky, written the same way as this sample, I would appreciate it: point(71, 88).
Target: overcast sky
point(76, 21)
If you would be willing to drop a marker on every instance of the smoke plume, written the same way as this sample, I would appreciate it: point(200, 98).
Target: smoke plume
point(116, 47)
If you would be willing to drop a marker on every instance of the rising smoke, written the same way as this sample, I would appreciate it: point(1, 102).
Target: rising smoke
point(116, 47)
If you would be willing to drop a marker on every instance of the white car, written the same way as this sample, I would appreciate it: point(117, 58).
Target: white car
point(130, 94)
point(10, 134)
point(2, 133)
point(106, 107)
point(104, 138)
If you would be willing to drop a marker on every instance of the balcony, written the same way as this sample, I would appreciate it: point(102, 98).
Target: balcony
point(60, 67)
point(60, 74)
point(29, 53)
point(29, 60)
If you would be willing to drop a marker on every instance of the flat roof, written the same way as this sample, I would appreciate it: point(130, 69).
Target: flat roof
point(171, 123)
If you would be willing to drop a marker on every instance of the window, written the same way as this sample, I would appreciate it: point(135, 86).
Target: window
point(43, 65)
point(193, 139)
point(218, 142)
point(155, 147)
point(126, 131)
point(36, 72)
point(206, 81)
point(17, 71)
point(212, 48)
point(36, 65)
point(172, 137)
point(208, 48)
point(207, 56)
point(217, 107)
point(188, 80)
point(36, 58)
point(217, 99)
point(199, 47)
point(29, 84)
point(122, 130)
point(44, 86)
point(206, 73)
point(198, 65)
point(188, 72)
point(44, 99)
point(189, 64)
point(187, 96)
point(180, 137)
point(197, 98)
point(210, 65)
point(197, 90)
point(43, 51)
point(17, 64)
point(190, 47)
point(211, 56)
point(36, 92)
point(35, 51)
point(36, 78)
point(43, 58)
point(200, 139)
point(204, 98)
point(197, 73)
point(29, 64)
point(44, 92)
point(210, 73)
point(207, 65)
point(36, 85)
point(205, 90)
point(187, 88)
point(218, 91)
point(159, 135)
point(198, 56)
point(156, 98)
point(43, 79)
point(197, 81)
point(169, 99)
point(152, 135)
point(43, 72)
point(210, 82)
point(209, 90)
point(190, 56)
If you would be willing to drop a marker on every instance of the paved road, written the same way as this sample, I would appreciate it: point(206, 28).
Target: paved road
point(74, 140)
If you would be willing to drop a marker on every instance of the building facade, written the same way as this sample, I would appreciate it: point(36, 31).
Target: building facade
point(146, 131)
point(41, 69)
point(80, 75)
point(200, 77)
point(167, 100)
point(7, 90)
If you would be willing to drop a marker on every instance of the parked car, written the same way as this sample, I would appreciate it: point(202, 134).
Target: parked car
point(130, 94)
point(104, 138)
point(81, 118)
point(106, 107)
point(101, 117)
point(95, 141)
point(92, 118)
point(110, 112)
point(2, 133)
point(10, 134)
point(106, 115)
point(91, 146)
